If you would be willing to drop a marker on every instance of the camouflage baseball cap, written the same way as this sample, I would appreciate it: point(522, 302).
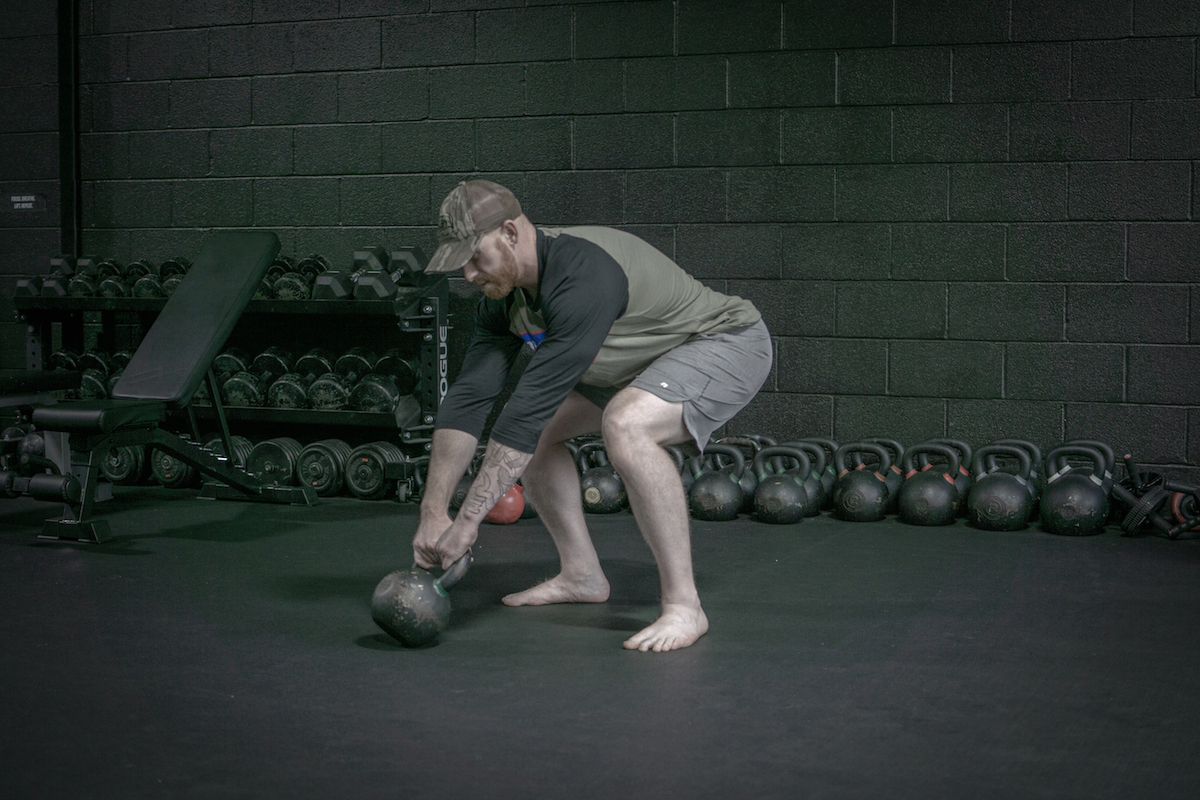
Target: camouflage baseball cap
point(472, 209)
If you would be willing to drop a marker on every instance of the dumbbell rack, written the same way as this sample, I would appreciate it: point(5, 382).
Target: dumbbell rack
point(420, 313)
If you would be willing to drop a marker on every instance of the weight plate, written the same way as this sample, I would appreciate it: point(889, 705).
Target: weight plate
point(170, 471)
point(125, 465)
point(365, 469)
point(241, 449)
point(322, 466)
point(274, 461)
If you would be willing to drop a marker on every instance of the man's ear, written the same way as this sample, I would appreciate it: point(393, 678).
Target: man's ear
point(510, 232)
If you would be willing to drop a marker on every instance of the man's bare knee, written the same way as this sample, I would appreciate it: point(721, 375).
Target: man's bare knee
point(635, 420)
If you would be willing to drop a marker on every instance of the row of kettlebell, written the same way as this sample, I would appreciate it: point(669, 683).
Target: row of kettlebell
point(1003, 491)
point(928, 484)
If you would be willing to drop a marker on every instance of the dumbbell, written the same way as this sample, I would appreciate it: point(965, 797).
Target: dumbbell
point(249, 386)
point(160, 282)
point(61, 269)
point(119, 282)
point(331, 391)
point(10, 442)
point(63, 359)
point(96, 367)
point(289, 390)
point(101, 371)
point(322, 465)
point(58, 283)
point(266, 287)
point(117, 364)
point(230, 362)
point(400, 269)
point(375, 393)
point(86, 279)
point(390, 377)
point(297, 284)
point(310, 369)
point(405, 370)
point(273, 461)
point(172, 273)
point(338, 284)
point(292, 390)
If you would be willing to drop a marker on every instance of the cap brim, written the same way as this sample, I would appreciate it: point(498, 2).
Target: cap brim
point(453, 255)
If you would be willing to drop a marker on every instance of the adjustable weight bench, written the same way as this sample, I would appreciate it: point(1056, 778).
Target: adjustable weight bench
point(161, 377)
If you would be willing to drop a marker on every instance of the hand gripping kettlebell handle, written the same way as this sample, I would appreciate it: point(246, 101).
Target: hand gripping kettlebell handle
point(456, 571)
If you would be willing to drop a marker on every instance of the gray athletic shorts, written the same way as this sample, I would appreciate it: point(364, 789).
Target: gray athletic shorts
point(714, 376)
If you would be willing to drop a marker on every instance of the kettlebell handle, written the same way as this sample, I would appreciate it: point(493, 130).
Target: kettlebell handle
point(839, 457)
point(784, 451)
point(584, 459)
point(985, 459)
point(816, 453)
point(739, 460)
point(1110, 456)
point(945, 451)
point(1057, 465)
point(455, 573)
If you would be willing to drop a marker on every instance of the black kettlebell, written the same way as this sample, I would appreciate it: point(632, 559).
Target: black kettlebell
point(1000, 500)
point(1110, 461)
point(1075, 501)
point(861, 495)
point(602, 488)
point(749, 445)
point(894, 476)
point(965, 458)
point(685, 475)
point(716, 495)
point(829, 475)
point(781, 498)
point(1034, 485)
point(818, 497)
point(929, 497)
point(412, 606)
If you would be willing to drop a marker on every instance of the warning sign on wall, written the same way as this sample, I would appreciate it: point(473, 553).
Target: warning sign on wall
point(24, 202)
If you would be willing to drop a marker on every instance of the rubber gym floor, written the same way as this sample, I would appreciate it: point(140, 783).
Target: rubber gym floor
point(225, 649)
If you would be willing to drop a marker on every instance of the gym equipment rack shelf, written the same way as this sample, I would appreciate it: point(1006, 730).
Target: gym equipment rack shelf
point(420, 313)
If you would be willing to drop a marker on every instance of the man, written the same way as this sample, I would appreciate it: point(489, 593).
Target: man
point(626, 344)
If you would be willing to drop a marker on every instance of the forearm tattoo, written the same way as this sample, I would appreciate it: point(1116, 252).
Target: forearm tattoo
point(500, 470)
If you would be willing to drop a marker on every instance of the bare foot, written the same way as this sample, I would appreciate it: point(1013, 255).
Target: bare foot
point(678, 627)
point(561, 590)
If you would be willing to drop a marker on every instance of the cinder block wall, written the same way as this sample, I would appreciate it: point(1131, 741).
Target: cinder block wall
point(28, 156)
point(965, 219)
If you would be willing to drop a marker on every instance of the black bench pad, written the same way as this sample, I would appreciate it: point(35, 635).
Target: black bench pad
point(99, 416)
